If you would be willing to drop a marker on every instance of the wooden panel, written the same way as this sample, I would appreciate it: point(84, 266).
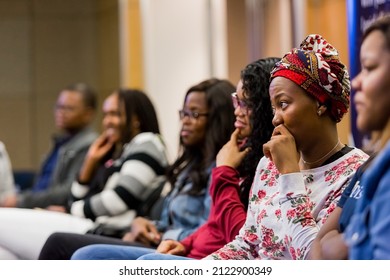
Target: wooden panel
point(329, 18)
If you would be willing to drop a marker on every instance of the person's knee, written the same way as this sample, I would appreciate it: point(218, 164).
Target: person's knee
point(54, 238)
point(152, 256)
point(7, 255)
point(90, 252)
point(49, 249)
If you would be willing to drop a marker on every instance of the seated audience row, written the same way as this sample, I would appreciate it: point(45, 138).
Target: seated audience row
point(125, 163)
point(305, 168)
point(74, 113)
point(231, 180)
point(268, 193)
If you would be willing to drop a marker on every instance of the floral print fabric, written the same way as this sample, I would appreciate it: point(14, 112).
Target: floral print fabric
point(286, 211)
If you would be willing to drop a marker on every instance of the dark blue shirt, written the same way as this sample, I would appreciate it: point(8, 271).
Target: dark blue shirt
point(44, 177)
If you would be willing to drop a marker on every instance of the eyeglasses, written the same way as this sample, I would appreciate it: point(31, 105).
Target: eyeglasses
point(191, 114)
point(65, 108)
point(244, 107)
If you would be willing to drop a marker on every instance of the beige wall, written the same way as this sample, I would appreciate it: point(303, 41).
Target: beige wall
point(238, 54)
point(273, 24)
point(130, 39)
point(46, 45)
point(329, 18)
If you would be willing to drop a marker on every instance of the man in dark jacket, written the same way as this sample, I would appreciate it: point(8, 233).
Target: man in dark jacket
point(74, 112)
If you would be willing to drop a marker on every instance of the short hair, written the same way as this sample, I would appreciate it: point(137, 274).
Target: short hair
point(381, 24)
point(87, 93)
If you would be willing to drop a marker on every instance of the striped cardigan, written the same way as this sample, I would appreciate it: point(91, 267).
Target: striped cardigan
point(124, 184)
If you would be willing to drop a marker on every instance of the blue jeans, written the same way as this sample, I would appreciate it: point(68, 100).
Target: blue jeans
point(158, 256)
point(110, 252)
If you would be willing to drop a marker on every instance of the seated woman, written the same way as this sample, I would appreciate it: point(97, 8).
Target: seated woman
point(362, 219)
point(305, 168)
point(121, 169)
point(207, 122)
point(231, 179)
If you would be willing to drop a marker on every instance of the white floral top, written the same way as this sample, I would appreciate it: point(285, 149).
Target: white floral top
point(286, 211)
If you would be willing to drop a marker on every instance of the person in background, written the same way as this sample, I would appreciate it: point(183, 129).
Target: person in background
point(373, 117)
point(207, 121)
point(305, 168)
point(366, 222)
point(231, 178)
point(74, 113)
point(7, 188)
point(7, 184)
point(122, 168)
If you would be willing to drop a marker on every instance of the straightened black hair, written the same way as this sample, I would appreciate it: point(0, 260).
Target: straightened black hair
point(220, 125)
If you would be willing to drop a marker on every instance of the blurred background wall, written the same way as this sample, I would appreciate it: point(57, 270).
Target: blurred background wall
point(160, 46)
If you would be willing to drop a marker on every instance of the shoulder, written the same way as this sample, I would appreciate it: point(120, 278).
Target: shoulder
point(384, 155)
point(146, 143)
point(351, 160)
point(358, 154)
point(147, 140)
point(381, 164)
point(145, 137)
point(88, 134)
point(82, 139)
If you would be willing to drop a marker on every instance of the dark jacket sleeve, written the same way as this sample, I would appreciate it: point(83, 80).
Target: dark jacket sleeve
point(71, 158)
point(57, 193)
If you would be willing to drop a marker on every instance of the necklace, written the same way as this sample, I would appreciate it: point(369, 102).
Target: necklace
point(318, 160)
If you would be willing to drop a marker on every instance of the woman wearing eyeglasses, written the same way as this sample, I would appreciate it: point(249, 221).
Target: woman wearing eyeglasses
point(305, 169)
point(207, 122)
point(231, 179)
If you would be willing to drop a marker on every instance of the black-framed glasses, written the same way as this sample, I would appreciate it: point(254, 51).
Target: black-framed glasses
point(244, 107)
point(65, 108)
point(191, 114)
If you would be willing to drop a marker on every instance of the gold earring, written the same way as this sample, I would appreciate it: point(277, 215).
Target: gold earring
point(319, 112)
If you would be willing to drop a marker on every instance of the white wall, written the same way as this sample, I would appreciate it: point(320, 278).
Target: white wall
point(181, 40)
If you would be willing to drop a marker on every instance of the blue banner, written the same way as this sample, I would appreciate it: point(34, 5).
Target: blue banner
point(360, 15)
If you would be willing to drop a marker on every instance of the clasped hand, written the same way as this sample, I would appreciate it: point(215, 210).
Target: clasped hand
point(143, 231)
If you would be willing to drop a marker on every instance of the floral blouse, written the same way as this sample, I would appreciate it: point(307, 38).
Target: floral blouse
point(286, 211)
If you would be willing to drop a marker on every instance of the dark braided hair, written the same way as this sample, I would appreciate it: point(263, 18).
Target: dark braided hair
point(256, 80)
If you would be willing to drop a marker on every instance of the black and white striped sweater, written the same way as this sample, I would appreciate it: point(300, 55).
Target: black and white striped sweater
point(128, 183)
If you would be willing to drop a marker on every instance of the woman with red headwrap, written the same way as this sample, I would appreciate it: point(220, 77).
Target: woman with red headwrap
point(306, 167)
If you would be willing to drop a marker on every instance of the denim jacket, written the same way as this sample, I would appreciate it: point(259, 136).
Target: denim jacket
point(182, 214)
point(367, 235)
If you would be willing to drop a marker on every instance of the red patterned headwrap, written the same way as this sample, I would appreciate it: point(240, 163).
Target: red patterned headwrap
point(316, 68)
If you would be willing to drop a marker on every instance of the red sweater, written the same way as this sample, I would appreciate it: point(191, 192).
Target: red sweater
point(227, 215)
